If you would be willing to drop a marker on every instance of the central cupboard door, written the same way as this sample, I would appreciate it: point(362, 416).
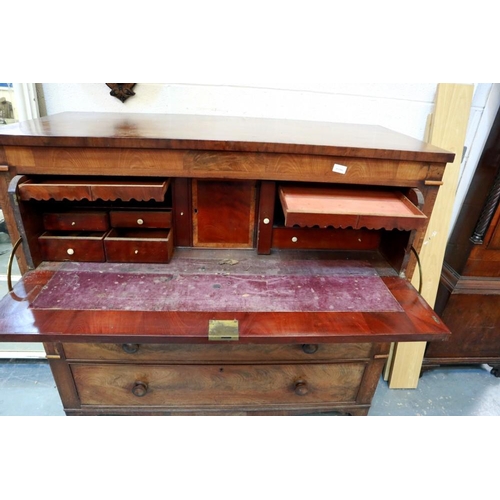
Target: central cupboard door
point(224, 213)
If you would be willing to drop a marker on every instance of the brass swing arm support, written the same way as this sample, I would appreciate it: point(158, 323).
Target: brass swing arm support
point(9, 265)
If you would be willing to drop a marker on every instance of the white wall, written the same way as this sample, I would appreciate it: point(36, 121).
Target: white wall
point(403, 107)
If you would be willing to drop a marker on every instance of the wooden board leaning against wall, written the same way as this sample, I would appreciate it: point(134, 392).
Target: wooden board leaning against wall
point(447, 130)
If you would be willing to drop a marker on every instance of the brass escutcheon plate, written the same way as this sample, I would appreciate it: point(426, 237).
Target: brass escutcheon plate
point(223, 329)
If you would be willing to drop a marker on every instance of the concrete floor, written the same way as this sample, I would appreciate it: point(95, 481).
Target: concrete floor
point(27, 388)
point(451, 390)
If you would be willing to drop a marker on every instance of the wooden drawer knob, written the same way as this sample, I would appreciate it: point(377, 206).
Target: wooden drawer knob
point(301, 388)
point(130, 348)
point(310, 348)
point(140, 389)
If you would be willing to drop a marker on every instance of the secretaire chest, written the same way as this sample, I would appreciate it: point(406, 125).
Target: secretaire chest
point(211, 265)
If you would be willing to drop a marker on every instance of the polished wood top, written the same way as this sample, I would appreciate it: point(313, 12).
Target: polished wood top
point(219, 133)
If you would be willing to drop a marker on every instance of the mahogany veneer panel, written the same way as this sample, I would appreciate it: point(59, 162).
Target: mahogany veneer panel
point(220, 164)
point(342, 208)
point(224, 214)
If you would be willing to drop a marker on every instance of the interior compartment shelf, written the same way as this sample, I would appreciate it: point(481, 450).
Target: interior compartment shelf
point(339, 207)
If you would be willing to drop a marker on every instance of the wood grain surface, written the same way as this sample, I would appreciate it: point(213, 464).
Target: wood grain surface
point(219, 133)
point(222, 352)
point(218, 385)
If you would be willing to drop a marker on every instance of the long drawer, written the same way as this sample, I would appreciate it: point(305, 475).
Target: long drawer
point(199, 385)
point(210, 353)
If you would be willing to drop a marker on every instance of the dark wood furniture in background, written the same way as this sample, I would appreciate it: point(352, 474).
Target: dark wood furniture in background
point(469, 292)
point(214, 265)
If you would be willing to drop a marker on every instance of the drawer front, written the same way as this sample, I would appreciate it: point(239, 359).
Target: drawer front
point(141, 219)
point(319, 239)
point(72, 248)
point(141, 246)
point(209, 353)
point(207, 385)
point(76, 221)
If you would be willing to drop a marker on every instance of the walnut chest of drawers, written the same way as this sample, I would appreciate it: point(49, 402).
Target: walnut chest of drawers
point(188, 265)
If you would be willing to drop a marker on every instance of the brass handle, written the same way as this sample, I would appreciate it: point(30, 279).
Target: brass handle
point(140, 389)
point(301, 388)
point(9, 265)
point(310, 348)
point(130, 348)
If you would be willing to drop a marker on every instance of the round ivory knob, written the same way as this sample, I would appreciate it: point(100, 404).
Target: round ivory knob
point(266, 221)
point(295, 239)
point(140, 222)
point(70, 251)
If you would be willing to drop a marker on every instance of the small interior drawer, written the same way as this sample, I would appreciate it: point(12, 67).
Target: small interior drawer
point(340, 207)
point(74, 246)
point(139, 245)
point(76, 221)
point(313, 238)
point(76, 189)
point(141, 219)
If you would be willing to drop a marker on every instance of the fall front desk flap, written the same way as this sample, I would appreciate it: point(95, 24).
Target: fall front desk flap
point(277, 298)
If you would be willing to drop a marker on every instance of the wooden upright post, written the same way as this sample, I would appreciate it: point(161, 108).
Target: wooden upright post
point(448, 130)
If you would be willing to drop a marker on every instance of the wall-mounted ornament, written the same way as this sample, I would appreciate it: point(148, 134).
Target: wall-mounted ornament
point(121, 91)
